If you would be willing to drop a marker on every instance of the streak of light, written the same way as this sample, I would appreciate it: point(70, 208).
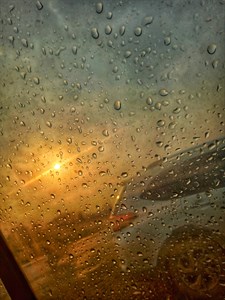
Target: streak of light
point(56, 167)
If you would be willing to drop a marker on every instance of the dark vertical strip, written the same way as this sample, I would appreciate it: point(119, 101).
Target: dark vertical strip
point(12, 277)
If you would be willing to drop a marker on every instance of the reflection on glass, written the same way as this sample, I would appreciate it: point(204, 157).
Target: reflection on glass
point(112, 147)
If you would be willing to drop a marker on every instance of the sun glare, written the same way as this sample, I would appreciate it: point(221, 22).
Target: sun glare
point(57, 166)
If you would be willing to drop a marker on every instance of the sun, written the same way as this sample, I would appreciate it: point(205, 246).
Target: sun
point(57, 166)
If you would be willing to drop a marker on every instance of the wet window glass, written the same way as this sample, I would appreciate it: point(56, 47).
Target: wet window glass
point(112, 158)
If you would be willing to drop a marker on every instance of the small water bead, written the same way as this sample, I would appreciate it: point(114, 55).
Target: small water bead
point(94, 33)
point(138, 31)
point(109, 15)
point(115, 69)
point(108, 29)
point(127, 54)
point(147, 20)
point(36, 80)
point(215, 64)
point(39, 5)
point(167, 41)
point(211, 48)
point(163, 92)
point(74, 50)
point(99, 7)
point(105, 132)
point(149, 101)
point(122, 30)
point(11, 39)
point(71, 256)
point(158, 105)
point(160, 123)
point(24, 43)
point(117, 104)
point(49, 124)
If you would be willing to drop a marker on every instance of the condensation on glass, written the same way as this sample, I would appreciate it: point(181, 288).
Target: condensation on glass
point(112, 147)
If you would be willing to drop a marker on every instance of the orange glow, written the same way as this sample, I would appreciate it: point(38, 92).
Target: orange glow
point(57, 166)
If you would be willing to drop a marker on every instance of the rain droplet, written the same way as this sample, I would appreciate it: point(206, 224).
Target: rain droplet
point(108, 29)
point(22, 123)
point(94, 33)
point(163, 92)
point(160, 123)
point(101, 149)
point(49, 124)
point(122, 30)
point(158, 105)
point(124, 174)
point(23, 74)
point(71, 256)
point(105, 132)
point(149, 101)
point(11, 7)
point(211, 48)
point(74, 50)
point(11, 39)
point(176, 110)
point(138, 31)
point(109, 15)
point(48, 242)
point(36, 80)
point(39, 5)
point(147, 20)
point(167, 41)
point(117, 104)
point(24, 42)
point(127, 54)
point(99, 7)
point(215, 64)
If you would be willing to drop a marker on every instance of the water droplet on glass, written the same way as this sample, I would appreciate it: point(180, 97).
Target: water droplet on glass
point(122, 30)
point(117, 104)
point(108, 29)
point(105, 132)
point(144, 209)
point(23, 75)
point(149, 101)
point(39, 5)
point(11, 7)
point(127, 54)
point(48, 242)
point(94, 33)
point(215, 63)
point(101, 149)
point(24, 42)
point(36, 80)
point(11, 39)
point(211, 48)
point(158, 105)
point(124, 174)
point(49, 124)
point(147, 20)
point(74, 50)
point(109, 15)
point(71, 256)
point(138, 31)
point(22, 123)
point(99, 7)
point(160, 123)
point(163, 92)
point(167, 41)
